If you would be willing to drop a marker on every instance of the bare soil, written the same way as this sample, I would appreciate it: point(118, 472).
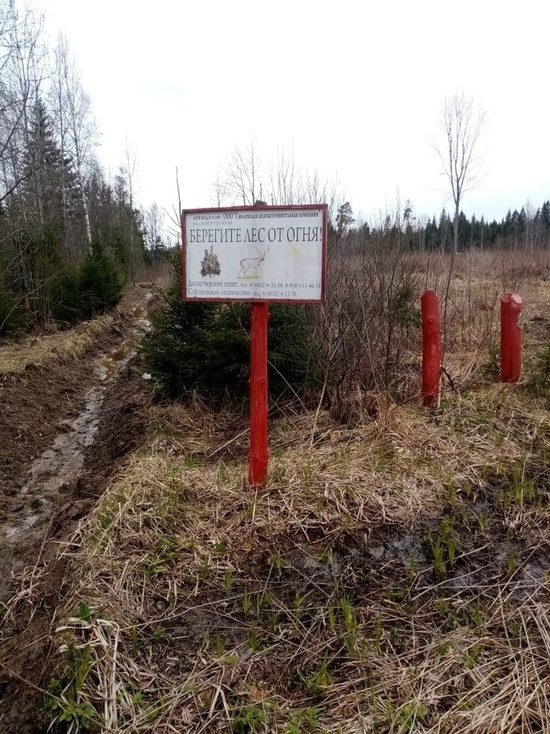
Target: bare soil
point(65, 428)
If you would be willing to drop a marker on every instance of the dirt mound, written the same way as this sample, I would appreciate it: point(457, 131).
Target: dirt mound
point(37, 400)
point(64, 410)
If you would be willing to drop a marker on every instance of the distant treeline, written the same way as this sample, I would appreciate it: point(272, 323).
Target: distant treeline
point(527, 228)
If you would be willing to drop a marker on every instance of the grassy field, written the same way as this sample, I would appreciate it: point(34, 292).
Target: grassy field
point(393, 576)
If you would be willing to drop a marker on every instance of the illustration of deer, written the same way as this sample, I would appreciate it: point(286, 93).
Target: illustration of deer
point(249, 267)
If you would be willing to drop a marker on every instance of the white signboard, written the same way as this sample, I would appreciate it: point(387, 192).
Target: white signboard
point(254, 253)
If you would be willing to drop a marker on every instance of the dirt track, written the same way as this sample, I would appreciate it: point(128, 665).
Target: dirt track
point(65, 427)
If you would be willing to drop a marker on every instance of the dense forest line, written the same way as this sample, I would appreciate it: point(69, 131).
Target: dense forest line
point(69, 237)
point(526, 229)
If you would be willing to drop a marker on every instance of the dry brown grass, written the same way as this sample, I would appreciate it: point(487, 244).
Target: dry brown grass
point(511, 269)
point(61, 346)
point(392, 577)
point(66, 345)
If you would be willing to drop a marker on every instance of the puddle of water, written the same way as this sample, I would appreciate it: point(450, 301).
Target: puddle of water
point(535, 575)
point(406, 549)
point(56, 469)
point(109, 364)
point(106, 368)
point(11, 532)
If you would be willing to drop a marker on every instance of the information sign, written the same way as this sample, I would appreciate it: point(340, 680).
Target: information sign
point(260, 253)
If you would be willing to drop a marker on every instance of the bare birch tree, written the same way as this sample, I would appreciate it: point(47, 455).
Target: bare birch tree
point(241, 181)
point(286, 181)
point(153, 219)
point(241, 177)
point(130, 171)
point(461, 125)
point(21, 76)
point(76, 128)
point(21, 56)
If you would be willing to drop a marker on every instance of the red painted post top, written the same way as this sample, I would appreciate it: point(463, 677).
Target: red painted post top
point(511, 305)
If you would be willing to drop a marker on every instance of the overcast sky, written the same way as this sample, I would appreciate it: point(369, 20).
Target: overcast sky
point(352, 88)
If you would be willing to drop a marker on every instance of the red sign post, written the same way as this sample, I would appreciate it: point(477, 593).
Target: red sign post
point(259, 254)
point(258, 395)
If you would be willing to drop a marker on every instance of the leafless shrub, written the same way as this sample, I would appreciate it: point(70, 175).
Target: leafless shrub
point(368, 329)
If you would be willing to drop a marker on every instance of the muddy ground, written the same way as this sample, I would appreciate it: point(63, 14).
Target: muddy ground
point(66, 426)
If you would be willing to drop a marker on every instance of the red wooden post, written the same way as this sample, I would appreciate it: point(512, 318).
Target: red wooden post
point(510, 337)
point(431, 347)
point(258, 395)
